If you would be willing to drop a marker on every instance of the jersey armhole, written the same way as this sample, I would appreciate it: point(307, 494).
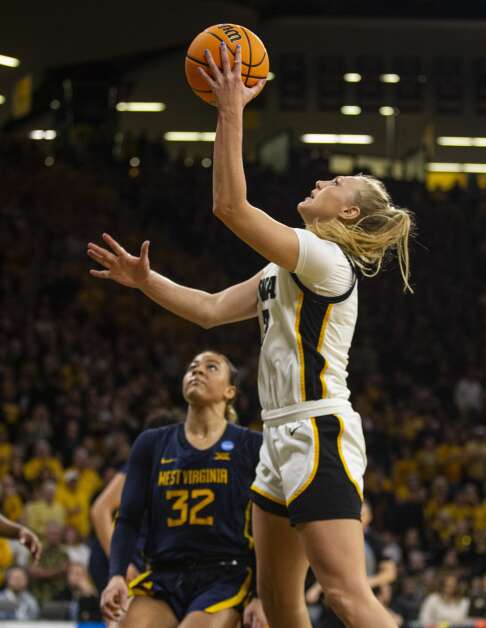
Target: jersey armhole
point(320, 298)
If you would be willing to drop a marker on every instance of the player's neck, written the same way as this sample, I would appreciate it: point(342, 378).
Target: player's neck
point(204, 426)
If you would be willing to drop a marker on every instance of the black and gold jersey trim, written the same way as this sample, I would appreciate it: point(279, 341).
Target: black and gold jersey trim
point(311, 320)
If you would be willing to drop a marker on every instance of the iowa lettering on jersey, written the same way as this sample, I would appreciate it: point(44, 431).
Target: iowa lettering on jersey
point(267, 290)
point(193, 476)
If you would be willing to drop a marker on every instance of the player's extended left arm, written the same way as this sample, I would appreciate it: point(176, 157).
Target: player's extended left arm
point(9, 529)
point(273, 240)
point(12, 530)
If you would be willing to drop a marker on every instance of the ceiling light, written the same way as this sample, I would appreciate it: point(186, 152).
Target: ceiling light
point(475, 168)
point(479, 142)
point(389, 78)
point(350, 110)
point(443, 167)
point(355, 139)
point(2, 99)
point(388, 111)
point(141, 106)
point(189, 136)
point(39, 134)
point(469, 168)
point(352, 77)
point(10, 62)
point(332, 138)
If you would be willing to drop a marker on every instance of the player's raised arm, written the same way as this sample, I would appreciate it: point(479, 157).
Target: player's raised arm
point(275, 241)
point(236, 303)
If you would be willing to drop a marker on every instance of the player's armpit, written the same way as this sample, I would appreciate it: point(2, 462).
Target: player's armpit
point(275, 241)
point(236, 303)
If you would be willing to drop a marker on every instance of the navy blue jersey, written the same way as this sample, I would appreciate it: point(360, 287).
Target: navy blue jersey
point(197, 501)
point(138, 557)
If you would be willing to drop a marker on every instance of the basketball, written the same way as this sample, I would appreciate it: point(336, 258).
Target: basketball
point(254, 57)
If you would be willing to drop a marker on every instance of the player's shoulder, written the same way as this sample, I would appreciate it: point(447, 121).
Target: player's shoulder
point(308, 236)
point(152, 436)
point(245, 434)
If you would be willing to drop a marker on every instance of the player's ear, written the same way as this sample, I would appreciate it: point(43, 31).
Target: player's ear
point(230, 393)
point(350, 213)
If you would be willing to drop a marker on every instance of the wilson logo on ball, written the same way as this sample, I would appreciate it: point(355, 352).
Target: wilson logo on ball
point(231, 33)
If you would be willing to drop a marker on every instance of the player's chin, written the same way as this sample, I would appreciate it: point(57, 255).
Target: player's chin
point(304, 208)
point(195, 395)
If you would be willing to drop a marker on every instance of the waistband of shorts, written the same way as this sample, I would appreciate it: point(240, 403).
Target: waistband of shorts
point(188, 564)
point(287, 414)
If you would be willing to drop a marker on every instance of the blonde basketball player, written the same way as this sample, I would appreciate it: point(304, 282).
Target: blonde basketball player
point(309, 483)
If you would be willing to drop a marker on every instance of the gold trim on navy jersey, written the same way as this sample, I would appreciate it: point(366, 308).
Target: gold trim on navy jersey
point(236, 599)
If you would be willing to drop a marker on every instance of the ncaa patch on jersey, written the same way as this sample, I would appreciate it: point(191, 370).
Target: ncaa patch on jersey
point(227, 445)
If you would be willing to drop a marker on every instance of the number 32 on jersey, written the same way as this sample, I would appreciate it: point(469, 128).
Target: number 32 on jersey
point(189, 506)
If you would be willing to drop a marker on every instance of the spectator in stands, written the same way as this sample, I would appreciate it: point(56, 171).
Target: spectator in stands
point(12, 505)
point(75, 500)
point(69, 441)
point(446, 605)
point(89, 481)
point(38, 428)
point(49, 574)
point(380, 569)
point(5, 451)
point(384, 594)
point(77, 551)
point(78, 589)
point(98, 365)
point(469, 395)
point(45, 509)
point(43, 461)
point(15, 600)
point(477, 608)
point(409, 599)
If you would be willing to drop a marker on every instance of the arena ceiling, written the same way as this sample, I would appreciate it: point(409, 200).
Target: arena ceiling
point(59, 33)
point(105, 35)
point(444, 9)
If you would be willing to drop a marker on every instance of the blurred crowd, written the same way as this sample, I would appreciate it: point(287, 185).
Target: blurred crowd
point(83, 363)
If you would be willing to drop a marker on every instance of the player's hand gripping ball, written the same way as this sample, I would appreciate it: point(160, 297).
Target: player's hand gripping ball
point(254, 58)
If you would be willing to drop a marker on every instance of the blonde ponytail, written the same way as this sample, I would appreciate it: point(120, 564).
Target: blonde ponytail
point(381, 227)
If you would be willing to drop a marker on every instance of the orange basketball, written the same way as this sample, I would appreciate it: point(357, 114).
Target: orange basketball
point(254, 57)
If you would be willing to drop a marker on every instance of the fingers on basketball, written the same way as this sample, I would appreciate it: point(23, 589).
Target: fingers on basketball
point(254, 63)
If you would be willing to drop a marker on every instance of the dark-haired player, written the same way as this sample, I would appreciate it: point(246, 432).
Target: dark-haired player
point(193, 480)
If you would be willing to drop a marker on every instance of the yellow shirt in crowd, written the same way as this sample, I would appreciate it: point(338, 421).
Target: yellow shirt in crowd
point(76, 505)
point(38, 514)
point(34, 467)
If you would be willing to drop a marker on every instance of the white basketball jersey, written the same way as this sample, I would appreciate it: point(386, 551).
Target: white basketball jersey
point(307, 321)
